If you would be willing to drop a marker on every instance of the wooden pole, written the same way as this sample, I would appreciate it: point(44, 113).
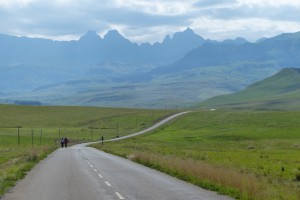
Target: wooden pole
point(32, 138)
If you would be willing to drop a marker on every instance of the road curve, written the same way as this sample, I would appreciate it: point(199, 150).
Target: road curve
point(164, 121)
point(85, 173)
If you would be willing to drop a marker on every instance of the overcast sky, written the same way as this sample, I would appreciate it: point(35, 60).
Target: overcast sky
point(149, 20)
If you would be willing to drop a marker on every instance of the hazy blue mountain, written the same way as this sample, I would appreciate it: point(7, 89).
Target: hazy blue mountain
point(91, 48)
point(284, 49)
point(90, 38)
point(181, 42)
point(27, 63)
point(238, 40)
point(214, 54)
point(280, 51)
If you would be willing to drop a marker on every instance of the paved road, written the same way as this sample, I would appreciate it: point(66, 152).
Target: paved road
point(162, 122)
point(85, 173)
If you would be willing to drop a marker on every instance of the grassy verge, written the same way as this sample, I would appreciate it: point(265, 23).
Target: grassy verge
point(244, 154)
point(41, 128)
point(18, 162)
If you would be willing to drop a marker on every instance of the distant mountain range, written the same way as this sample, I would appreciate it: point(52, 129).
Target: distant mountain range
point(112, 71)
point(28, 63)
point(280, 91)
point(91, 49)
point(281, 51)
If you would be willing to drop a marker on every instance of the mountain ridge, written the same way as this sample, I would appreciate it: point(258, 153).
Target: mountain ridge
point(73, 58)
point(282, 50)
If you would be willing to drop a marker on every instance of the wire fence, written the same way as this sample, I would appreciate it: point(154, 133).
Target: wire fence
point(93, 130)
point(23, 136)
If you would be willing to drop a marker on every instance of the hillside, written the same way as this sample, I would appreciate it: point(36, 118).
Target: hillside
point(280, 91)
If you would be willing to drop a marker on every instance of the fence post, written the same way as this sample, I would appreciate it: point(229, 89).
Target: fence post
point(32, 138)
point(41, 136)
point(92, 135)
point(117, 129)
point(19, 135)
point(136, 122)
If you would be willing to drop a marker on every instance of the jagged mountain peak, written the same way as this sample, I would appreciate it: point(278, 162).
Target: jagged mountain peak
point(188, 30)
point(167, 39)
point(185, 39)
point(187, 33)
point(113, 35)
point(90, 36)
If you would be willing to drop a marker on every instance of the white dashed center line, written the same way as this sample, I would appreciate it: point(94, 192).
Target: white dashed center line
point(120, 196)
point(108, 184)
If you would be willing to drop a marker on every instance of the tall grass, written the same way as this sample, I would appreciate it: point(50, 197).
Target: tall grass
point(207, 176)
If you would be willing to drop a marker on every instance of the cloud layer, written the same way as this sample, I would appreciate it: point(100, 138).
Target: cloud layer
point(149, 20)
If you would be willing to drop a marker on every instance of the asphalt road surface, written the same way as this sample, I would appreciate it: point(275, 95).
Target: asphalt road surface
point(85, 173)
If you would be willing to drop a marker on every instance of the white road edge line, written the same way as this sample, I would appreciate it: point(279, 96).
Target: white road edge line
point(107, 183)
point(120, 196)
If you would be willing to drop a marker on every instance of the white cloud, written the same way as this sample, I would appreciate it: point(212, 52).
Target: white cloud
point(150, 34)
point(250, 28)
point(270, 3)
point(149, 20)
point(157, 7)
point(15, 3)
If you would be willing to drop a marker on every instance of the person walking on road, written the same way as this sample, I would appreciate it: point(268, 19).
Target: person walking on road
point(62, 142)
point(66, 141)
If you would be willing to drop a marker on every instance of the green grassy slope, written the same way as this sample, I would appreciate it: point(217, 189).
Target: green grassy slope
point(281, 91)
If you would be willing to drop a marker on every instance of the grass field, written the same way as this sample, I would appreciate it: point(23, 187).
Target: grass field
point(244, 154)
point(41, 128)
